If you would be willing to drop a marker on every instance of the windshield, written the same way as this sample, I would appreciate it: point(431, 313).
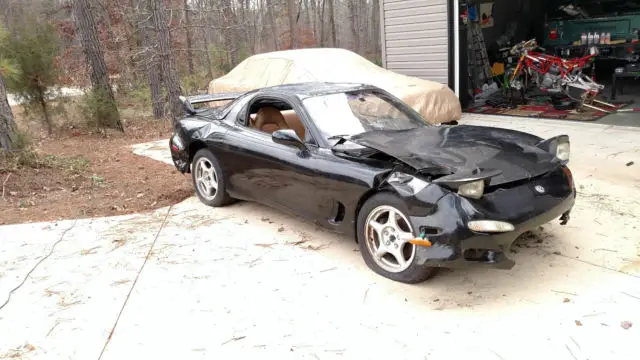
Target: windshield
point(351, 113)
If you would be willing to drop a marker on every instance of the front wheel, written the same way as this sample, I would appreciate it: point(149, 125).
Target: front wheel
point(384, 232)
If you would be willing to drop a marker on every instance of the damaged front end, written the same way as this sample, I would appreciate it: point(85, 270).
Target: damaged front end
point(463, 226)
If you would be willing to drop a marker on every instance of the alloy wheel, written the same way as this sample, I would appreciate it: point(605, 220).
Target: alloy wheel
point(387, 234)
point(206, 179)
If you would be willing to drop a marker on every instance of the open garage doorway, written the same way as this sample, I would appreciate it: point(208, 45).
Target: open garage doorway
point(523, 58)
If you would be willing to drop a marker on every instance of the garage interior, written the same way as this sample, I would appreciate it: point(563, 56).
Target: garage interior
point(489, 29)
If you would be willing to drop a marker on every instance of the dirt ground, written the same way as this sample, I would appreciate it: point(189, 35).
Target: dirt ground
point(82, 173)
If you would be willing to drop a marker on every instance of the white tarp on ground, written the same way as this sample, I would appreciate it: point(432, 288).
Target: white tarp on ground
point(436, 102)
point(246, 281)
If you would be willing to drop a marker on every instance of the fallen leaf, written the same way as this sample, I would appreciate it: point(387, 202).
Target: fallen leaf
point(630, 163)
point(626, 324)
point(578, 323)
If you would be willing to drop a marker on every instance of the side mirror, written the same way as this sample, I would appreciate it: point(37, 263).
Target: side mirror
point(288, 137)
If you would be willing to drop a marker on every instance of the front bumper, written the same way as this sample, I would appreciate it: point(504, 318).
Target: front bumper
point(456, 246)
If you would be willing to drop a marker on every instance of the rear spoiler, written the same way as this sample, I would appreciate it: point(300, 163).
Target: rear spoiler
point(189, 101)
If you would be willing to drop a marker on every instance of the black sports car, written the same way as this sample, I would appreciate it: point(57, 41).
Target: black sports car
point(355, 159)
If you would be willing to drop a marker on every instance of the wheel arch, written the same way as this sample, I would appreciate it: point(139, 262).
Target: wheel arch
point(194, 147)
point(363, 199)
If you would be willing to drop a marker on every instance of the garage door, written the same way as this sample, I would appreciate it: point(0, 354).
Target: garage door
point(415, 38)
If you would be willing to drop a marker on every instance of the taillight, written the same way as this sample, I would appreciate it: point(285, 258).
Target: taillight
point(569, 177)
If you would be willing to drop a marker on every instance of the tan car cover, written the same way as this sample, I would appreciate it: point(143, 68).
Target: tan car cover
point(434, 101)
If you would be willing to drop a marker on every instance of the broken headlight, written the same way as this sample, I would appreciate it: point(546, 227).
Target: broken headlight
point(563, 150)
point(473, 190)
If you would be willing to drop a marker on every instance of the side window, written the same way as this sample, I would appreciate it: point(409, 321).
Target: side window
point(269, 115)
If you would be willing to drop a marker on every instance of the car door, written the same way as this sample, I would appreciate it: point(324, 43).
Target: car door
point(264, 171)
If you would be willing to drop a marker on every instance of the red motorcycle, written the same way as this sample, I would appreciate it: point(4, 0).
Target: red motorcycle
point(556, 75)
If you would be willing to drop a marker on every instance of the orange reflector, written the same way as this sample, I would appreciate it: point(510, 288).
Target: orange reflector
point(420, 242)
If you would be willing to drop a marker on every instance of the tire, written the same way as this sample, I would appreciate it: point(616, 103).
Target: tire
point(409, 272)
point(219, 198)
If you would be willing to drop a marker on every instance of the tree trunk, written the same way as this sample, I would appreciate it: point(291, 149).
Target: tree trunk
point(314, 14)
point(323, 41)
point(332, 24)
point(151, 61)
point(291, 13)
point(230, 31)
point(376, 28)
point(187, 23)
point(95, 61)
point(362, 36)
point(205, 38)
point(167, 61)
point(8, 127)
point(272, 20)
point(353, 23)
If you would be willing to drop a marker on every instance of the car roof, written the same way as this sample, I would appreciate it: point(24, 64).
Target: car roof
point(311, 89)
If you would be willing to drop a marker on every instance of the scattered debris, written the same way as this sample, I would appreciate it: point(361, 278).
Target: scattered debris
point(266, 245)
point(578, 323)
point(18, 352)
point(329, 269)
point(299, 242)
point(120, 282)
point(266, 219)
point(436, 300)
point(630, 163)
point(281, 229)
point(626, 324)
point(89, 251)
point(235, 338)
point(140, 195)
point(557, 253)
point(602, 249)
point(564, 292)
point(469, 292)
point(566, 300)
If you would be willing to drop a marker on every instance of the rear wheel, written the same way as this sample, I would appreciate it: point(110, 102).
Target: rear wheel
point(384, 232)
point(208, 179)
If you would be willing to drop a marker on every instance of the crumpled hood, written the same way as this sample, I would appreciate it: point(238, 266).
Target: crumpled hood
point(462, 148)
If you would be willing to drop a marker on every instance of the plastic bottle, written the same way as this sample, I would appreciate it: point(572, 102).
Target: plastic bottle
point(596, 38)
point(583, 39)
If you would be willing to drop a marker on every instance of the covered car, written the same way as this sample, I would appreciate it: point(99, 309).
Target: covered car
point(436, 102)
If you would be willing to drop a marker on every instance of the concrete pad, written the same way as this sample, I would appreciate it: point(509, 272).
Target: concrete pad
point(67, 306)
point(248, 281)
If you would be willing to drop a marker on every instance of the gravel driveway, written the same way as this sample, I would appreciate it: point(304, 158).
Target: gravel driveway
point(246, 281)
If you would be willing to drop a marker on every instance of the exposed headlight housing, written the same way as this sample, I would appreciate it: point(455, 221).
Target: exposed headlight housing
point(563, 150)
point(473, 190)
point(490, 226)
